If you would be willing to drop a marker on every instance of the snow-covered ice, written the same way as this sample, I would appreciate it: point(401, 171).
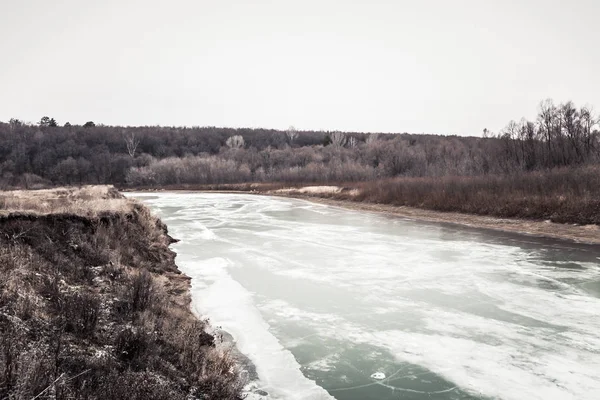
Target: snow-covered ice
point(335, 303)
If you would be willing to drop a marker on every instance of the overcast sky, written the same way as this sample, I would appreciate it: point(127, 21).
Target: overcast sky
point(445, 66)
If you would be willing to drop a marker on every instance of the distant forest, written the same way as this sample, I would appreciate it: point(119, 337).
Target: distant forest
point(48, 153)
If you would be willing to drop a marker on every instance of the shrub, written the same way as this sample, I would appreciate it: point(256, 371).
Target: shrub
point(81, 312)
point(130, 345)
point(142, 291)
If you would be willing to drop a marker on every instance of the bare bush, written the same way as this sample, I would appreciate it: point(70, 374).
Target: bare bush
point(142, 291)
point(561, 195)
point(81, 312)
point(235, 142)
point(131, 344)
point(291, 134)
point(372, 138)
point(338, 138)
point(219, 377)
point(132, 142)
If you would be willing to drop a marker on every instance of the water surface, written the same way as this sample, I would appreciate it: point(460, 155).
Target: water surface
point(321, 298)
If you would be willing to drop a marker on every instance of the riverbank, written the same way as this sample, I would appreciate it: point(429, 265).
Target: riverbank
point(342, 197)
point(92, 304)
point(588, 234)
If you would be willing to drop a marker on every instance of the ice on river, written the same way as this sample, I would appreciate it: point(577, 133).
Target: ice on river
point(331, 303)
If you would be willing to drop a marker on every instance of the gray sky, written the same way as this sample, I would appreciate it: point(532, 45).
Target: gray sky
point(445, 66)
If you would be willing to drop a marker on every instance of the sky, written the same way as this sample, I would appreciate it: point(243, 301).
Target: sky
point(428, 66)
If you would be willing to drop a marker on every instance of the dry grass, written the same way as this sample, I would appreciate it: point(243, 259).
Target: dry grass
point(83, 201)
point(311, 190)
point(567, 195)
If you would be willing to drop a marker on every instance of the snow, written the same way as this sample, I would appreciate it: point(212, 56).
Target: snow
point(378, 375)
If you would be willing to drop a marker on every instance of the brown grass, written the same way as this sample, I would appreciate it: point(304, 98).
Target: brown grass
point(566, 195)
point(84, 201)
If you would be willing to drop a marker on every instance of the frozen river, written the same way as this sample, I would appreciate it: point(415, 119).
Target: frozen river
point(320, 299)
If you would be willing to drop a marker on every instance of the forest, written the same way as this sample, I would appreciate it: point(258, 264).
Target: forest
point(560, 142)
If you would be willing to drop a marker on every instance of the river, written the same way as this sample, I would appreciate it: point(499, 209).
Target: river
point(332, 303)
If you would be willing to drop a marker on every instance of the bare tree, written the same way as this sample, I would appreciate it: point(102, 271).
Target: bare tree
point(338, 139)
point(132, 143)
point(291, 134)
point(372, 138)
point(351, 142)
point(45, 121)
point(588, 121)
point(572, 128)
point(235, 142)
point(547, 115)
point(15, 123)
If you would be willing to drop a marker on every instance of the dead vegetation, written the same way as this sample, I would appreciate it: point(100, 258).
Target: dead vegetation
point(83, 201)
point(563, 195)
point(92, 305)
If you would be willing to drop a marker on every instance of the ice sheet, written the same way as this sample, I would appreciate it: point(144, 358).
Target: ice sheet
point(302, 286)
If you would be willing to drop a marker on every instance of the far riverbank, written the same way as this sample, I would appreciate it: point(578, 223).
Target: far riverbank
point(587, 234)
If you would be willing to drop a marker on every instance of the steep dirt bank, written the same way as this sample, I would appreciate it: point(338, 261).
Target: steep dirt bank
point(93, 306)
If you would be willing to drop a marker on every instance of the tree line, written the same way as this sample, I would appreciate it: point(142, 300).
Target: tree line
point(562, 135)
point(46, 153)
